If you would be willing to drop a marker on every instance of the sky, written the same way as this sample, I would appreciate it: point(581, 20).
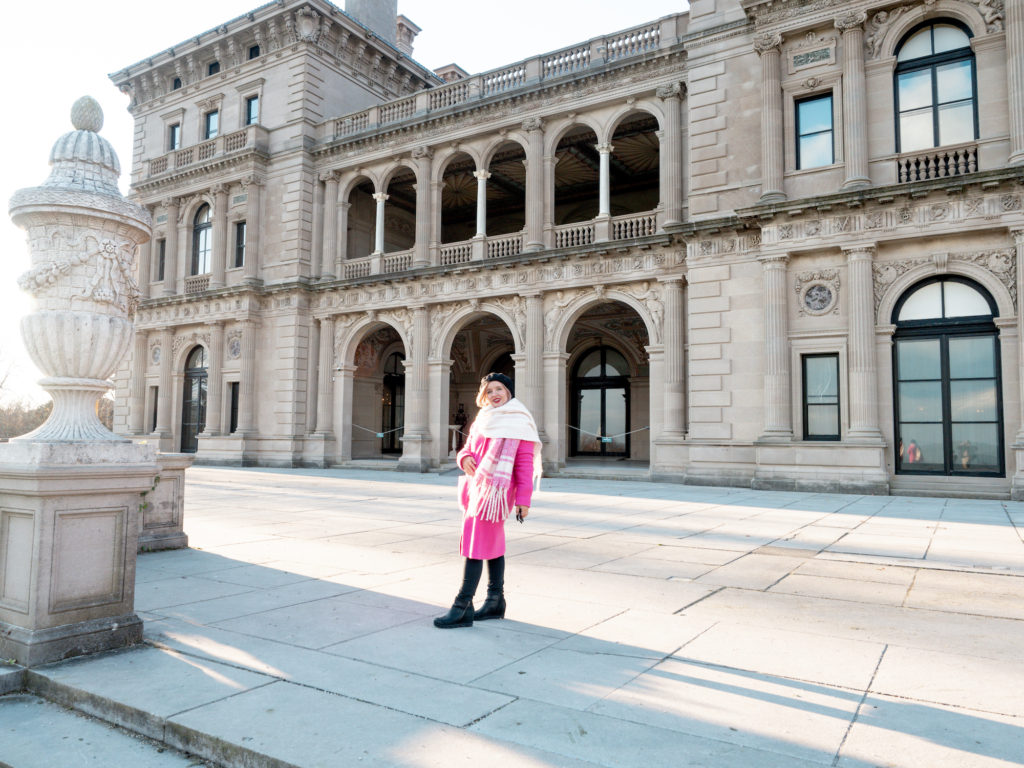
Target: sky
point(49, 65)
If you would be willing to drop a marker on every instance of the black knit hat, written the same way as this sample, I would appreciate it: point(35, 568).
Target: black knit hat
point(501, 378)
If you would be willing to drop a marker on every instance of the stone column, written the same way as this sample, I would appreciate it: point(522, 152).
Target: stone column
point(1018, 239)
point(481, 202)
point(164, 394)
point(549, 200)
point(214, 379)
point(330, 244)
point(778, 411)
point(325, 378)
point(247, 380)
point(137, 384)
point(171, 269)
point(414, 441)
point(670, 156)
point(863, 372)
point(253, 189)
point(436, 188)
point(533, 386)
point(604, 180)
point(534, 128)
point(1014, 26)
point(855, 110)
point(378, 242)
point(772, 146)
point(220, 236)
point(421, 249)
point(145, 264)
point(342, 254)
point(674, 424)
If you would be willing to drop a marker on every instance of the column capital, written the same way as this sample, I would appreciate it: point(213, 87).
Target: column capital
point(380, 197)
point(671, 91)
point(252, 181)
point(859, 251)
point(767, 43)
point(482, 175)
point(604, 149)
point(329, 176)
point(219, 189)
point(533, 294)
point(669, 279)
point(850, 22)
point(774, 260)
point(172, 202)
point(533, 124)
point(214, 324)
point(1018, 236)
point(421, 153)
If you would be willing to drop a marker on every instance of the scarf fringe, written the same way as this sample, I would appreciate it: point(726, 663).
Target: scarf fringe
point(493, 505)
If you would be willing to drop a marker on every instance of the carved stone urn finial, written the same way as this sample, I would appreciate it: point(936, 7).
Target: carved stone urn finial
point(82, 237)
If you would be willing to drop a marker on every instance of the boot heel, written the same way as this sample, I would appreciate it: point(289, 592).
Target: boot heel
point(491, 609)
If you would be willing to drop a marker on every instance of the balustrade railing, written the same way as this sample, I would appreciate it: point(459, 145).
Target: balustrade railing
point(633, 42)
point(568, 235)
point(397, 110)
point(937, 163)
point(503, 79)
point(504, 245)
point(346, 126)
point(182, 158)
point(457, 253)
point(197, 283)
point(634, 225)
point(357, 267)
point(398, 262)
point(449, 95)
point(565, 62)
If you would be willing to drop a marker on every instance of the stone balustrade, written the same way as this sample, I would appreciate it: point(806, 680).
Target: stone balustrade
point(457, 253)
point(197, 283)
point(398, 262)
point(569, 235)
point(937, 163)
point(504, 245)
point(634, 225)
point(252, 137)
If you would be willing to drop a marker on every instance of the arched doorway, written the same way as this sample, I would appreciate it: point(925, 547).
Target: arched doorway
point(193, 404)
point(600, 402)
point(948, 388)
point(393, 403)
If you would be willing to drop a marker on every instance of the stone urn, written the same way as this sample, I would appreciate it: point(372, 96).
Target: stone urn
point(83, 237)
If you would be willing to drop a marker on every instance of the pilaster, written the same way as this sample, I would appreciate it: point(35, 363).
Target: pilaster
point(778, 412)
point(855, 113)
point(863, 371)
point(768, 47)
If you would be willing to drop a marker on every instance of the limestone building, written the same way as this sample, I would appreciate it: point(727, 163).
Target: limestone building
point(769, 243)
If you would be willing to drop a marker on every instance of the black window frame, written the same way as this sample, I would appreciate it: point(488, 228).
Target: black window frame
point(601, 383)
point(198, 228)
point(832, 126)
point(213, 68)
point(211, 124)
point(254, 52)
point(176, 84)
point(943, 329)
point(161, 259)
point(155, 393)
point(252, 116)
point(173, 137)
point(233, 394)
point(932, 62)
point(240, 234)
point(807, 404)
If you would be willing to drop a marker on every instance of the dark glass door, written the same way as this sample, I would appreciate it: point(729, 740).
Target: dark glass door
point(601, 388)
point(393, 402)
point(193, 405)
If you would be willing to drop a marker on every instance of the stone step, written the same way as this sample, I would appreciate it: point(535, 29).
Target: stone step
point(957, 488)
point(74, 739)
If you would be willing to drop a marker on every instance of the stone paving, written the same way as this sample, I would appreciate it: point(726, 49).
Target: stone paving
point(648, 625)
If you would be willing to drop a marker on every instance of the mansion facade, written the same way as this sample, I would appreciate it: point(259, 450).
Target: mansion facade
point(765, 243)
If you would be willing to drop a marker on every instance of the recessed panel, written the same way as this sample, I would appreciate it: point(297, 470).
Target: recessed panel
point(88, 559)
point(17, 530)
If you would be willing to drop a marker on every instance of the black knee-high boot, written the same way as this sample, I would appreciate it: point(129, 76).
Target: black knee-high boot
point(461, 613)
point(494, 605)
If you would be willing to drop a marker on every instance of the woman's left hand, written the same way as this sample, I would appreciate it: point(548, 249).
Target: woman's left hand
point(522, 511)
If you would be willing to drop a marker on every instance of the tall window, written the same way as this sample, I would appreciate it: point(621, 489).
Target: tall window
point(936, 95)
point(211, 124)
point(601, 404)
point(214, 68)
point(948, 387)
point(821, 397)
point(233, 407)
point(254, 52)
point(815, 145)
point(154, 401)
point(252, 110)
point(174, 137)
point(240, 244)
point(161, 259)
point(175, 83)
point(202, 233)
point(193, 405)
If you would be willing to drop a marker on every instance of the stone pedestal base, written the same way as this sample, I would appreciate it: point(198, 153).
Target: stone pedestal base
point(415, 453)
point(318, 450)
point(163, 511)
point(668, 465)
point(1017, 483)
point(69, 533)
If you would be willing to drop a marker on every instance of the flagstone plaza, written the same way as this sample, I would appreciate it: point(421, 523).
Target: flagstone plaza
point(648, 625)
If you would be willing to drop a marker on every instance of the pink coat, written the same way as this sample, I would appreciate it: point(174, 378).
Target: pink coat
point(483, 540)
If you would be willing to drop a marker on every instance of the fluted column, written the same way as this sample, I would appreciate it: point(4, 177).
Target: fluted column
point(772, 147)
point(863, 370)
point(534, 128)
point(339, 268)
point(550, 161)
point(778, 412)
point(164, 394)
point(855, 110)
point(436, 188)
point(220, 235)
point(378, 241)
point(171, 248)
point(533, 391)
point(1014, 26)
point(214, 379)
point(421, 249)
point(247, 380)
point(604, 180)
point(670, 155)
point(674, 364)
point(1018, 238)
point(416, 415)
point(325, 378)
point(137, 384)
point(253, 187)
point(481, 202)
point(330, 242)
point(145, 264)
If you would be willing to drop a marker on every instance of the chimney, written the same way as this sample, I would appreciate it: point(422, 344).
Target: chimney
point(378, 15)
point(405, 33)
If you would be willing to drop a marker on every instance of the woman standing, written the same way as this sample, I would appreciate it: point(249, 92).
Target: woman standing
point(501, 460)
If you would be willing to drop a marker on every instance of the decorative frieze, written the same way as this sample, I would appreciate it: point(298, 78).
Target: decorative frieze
point(817, 292)
point(1001, 263)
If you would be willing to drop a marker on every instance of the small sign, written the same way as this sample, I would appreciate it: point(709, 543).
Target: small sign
point(380, 434)
point(607, 439)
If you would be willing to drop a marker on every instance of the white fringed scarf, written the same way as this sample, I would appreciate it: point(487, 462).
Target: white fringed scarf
point(505, 425)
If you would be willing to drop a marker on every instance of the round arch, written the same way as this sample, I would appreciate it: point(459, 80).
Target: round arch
point(962, 12)
point(443, 158)
point(392, 170)
point(558, 130)
point(347, 342)
point(629, 354)
point(489, 149)
point(466, 315)
point(980, 275)
point(580, 304)
point(353, 179)
point(644, 106)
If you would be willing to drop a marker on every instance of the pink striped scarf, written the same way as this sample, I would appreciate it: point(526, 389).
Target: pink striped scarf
point(488, 489)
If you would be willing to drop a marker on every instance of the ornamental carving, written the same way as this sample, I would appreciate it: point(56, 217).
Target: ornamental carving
point(516, 307)
point(553, 315)
point(767, 42)
point(817, 292)
point(1000, 263)
point(234, 345)
point(851, 20)
point(650, 296)
point(190, 339)
point(440, 314)
point(878, 26)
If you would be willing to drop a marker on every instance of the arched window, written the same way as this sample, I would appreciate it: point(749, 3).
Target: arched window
point(936, 92)
point(202, 234)
point(948, 400)
point(193, 405)
point(601, 413)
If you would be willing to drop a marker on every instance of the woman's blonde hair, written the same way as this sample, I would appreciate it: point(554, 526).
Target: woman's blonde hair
point(481, 394)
